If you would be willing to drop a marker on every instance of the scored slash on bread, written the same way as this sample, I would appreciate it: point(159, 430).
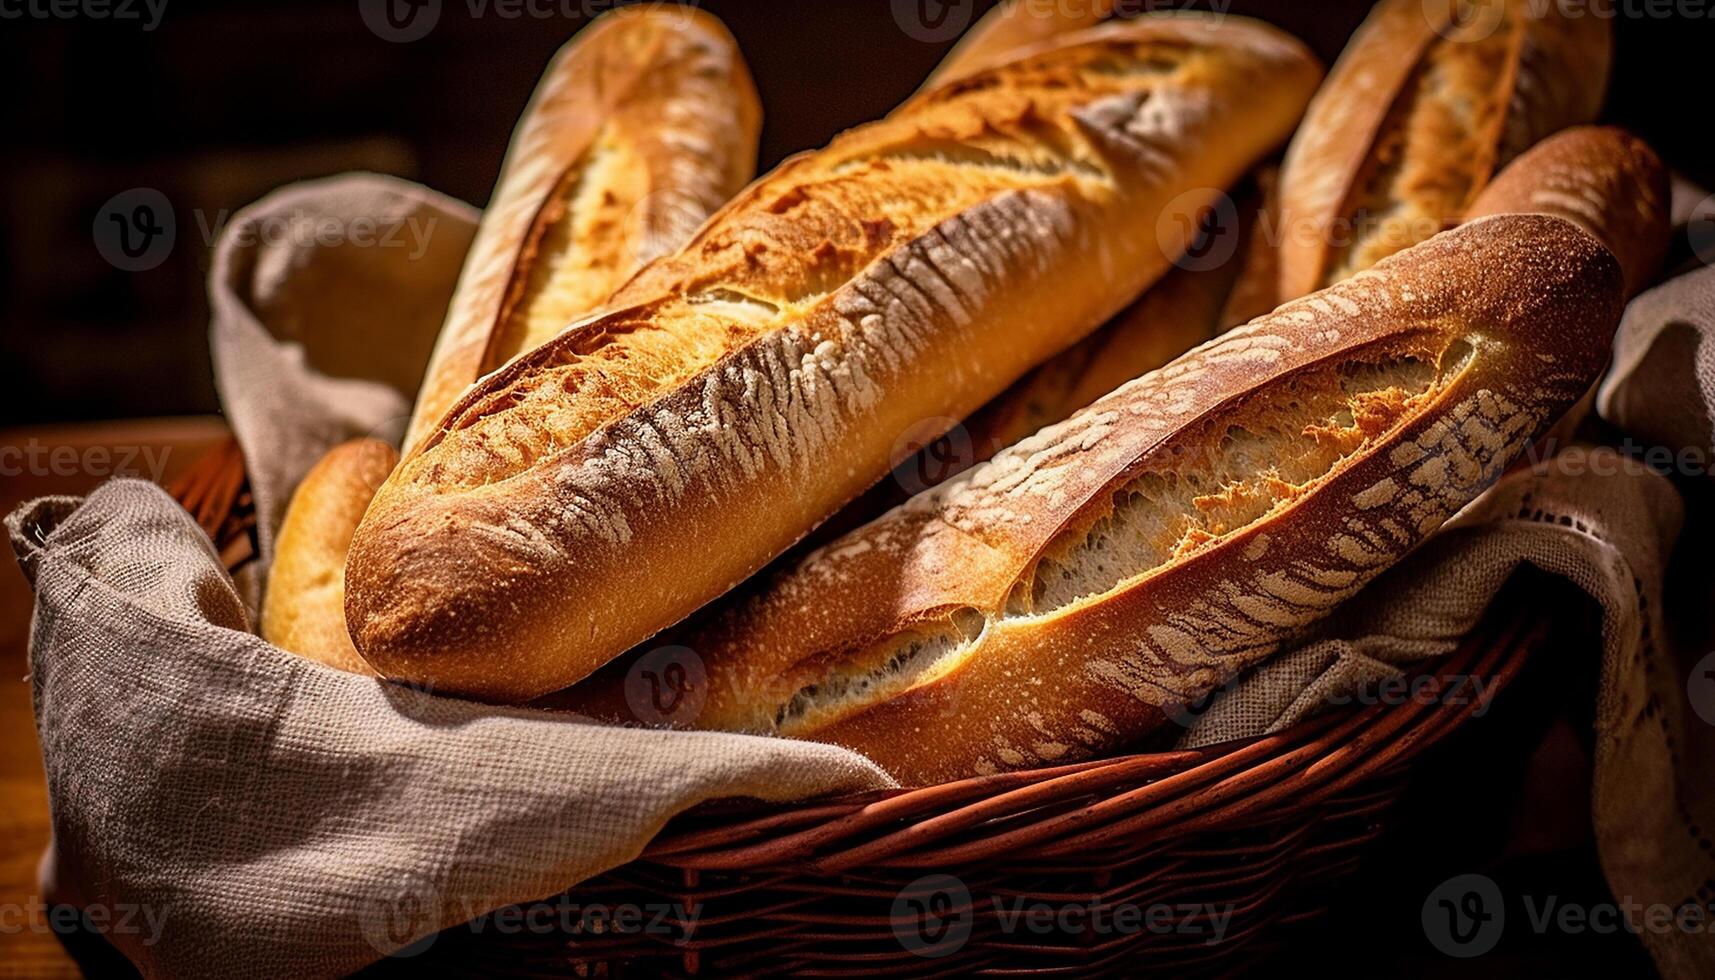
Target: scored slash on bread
point(1418, 114)
point(1056, 602)
point(642, 127)
point(601, 488)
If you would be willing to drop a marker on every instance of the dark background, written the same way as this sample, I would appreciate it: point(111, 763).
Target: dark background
point(222, 102)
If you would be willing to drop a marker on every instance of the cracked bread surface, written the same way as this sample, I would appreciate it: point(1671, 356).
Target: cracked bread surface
point(600, 488)
point(1055, 602)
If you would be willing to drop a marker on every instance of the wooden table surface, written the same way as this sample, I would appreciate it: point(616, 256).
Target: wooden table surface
point(64, 459)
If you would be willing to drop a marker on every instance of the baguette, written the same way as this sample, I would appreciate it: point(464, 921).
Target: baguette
point(644, 124)
point(1058, 601)
point(304, 609)
point(1417, 116)
point(602, 487)
point(1606, 181)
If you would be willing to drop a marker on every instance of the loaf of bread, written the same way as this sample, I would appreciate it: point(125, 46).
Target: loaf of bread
point(1418, 115)
point(602, 487)
point(1060, 600)
point(1013, 26)
point(1609, 183)
point(304, 608)
point(643, 126)
point(1605, 180)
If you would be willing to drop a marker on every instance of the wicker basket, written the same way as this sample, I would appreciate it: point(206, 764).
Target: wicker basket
point(1129, 856)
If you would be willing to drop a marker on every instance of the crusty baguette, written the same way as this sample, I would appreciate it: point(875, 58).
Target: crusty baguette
point(607, 484)
point(1056, 602)
point(1609, 183)
point(644, 125)
point(1011, 27)
point(304, 608)
point(1418, 115)
point(1605, 180)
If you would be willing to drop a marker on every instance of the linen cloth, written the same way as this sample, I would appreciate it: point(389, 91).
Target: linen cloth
point(276, 813)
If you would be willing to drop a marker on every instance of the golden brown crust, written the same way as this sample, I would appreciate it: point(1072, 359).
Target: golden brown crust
point(304, 609)
point(940, 641)
point(602, 487)
point(1013, 26)
point(1179, 312)
point(1417, 117)
point(643, 126)
point(1605, 180)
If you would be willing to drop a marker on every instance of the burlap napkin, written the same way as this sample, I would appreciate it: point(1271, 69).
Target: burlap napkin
point(272, 813)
